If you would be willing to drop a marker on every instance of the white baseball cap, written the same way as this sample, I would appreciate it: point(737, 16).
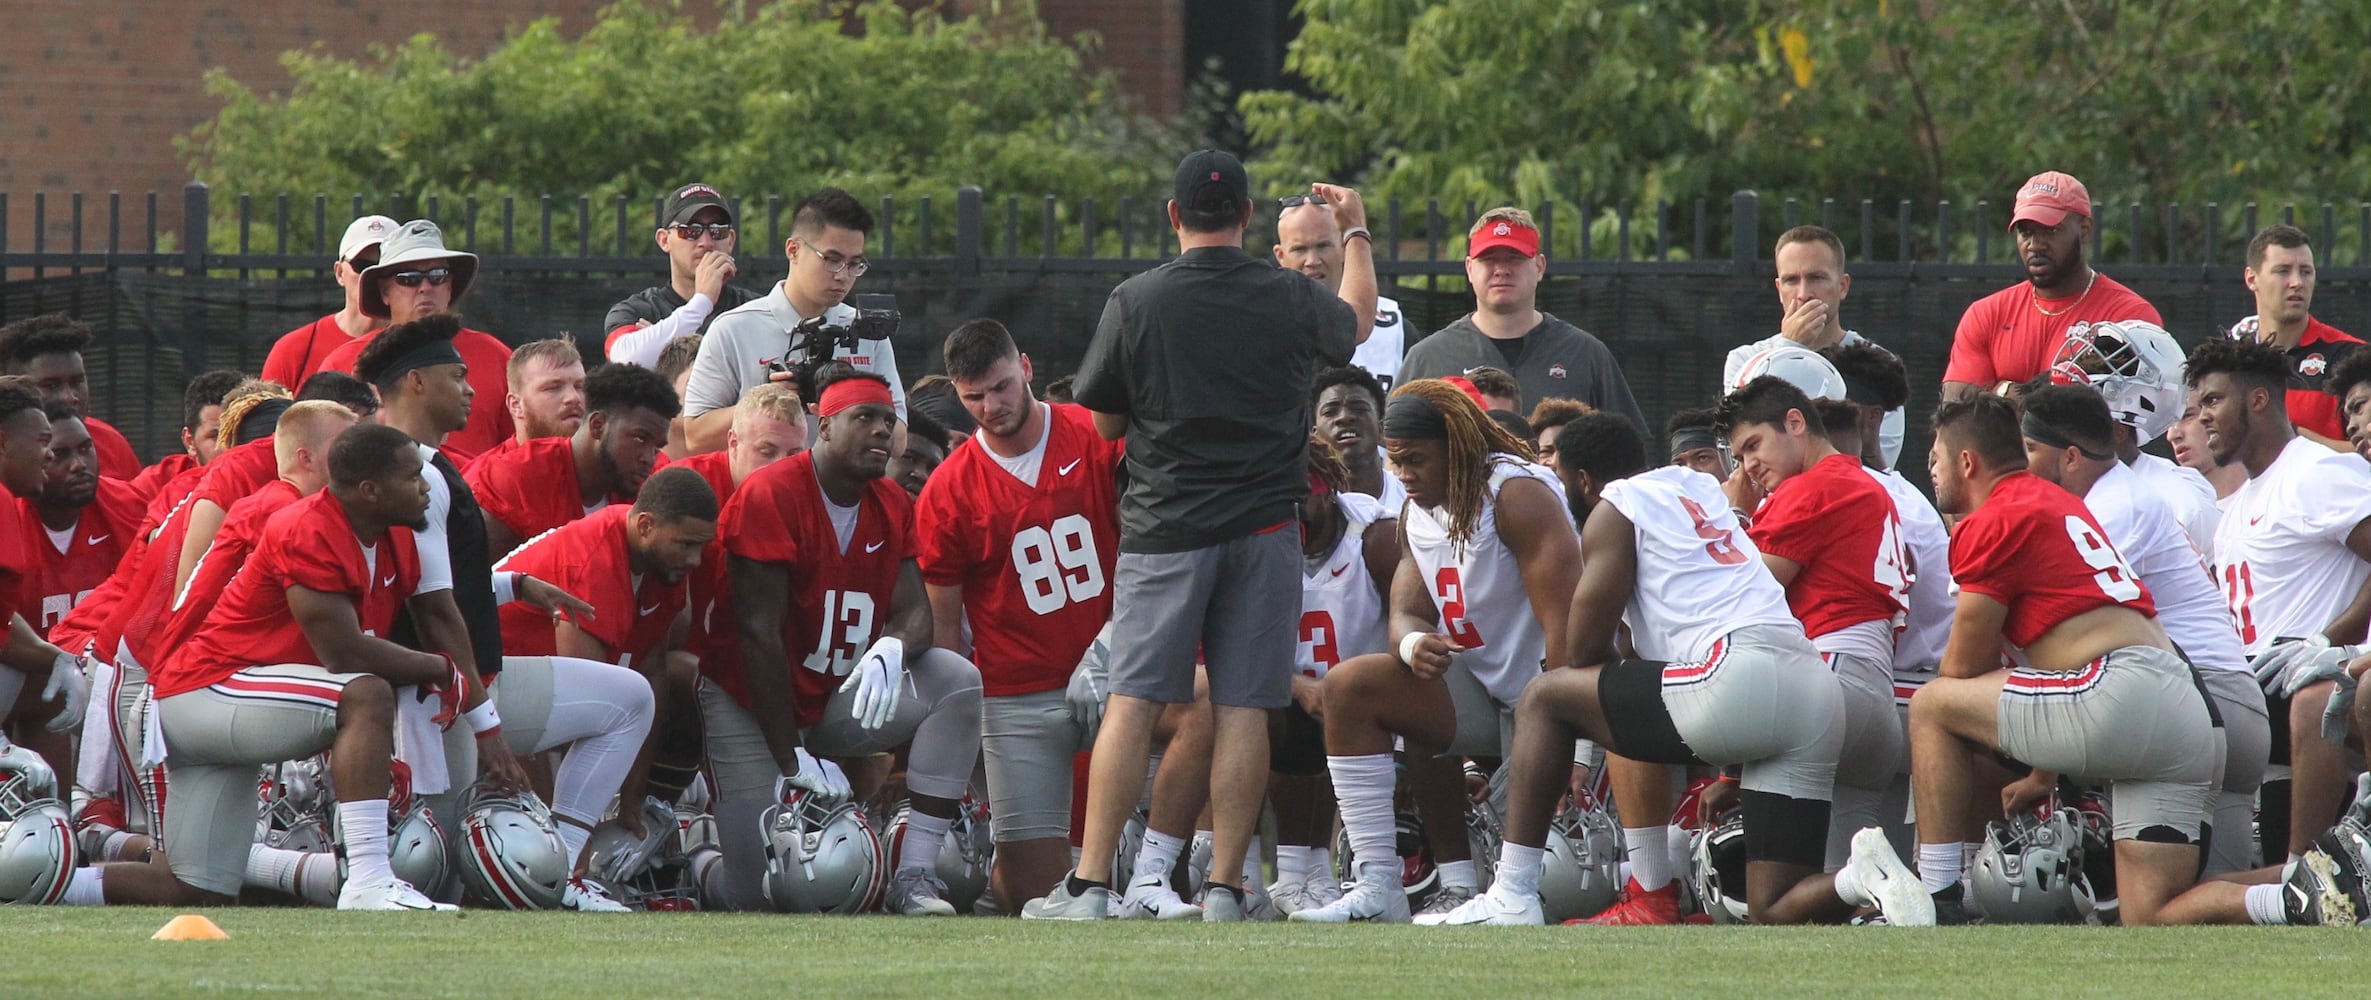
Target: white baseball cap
point(363, 234)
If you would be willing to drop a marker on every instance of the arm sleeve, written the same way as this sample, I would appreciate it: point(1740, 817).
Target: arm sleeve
point(1890, 434)
point(1971, 348)
point(712, 385)
point(436, 554)
point(1102, 375)
point(642, 347)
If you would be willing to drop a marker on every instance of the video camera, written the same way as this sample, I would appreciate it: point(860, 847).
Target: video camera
point(817, 341)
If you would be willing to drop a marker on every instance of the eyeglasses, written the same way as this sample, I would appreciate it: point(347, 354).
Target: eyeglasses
point(718, 231)
point(436, 276)
point(1298, 200)
point(835, 263)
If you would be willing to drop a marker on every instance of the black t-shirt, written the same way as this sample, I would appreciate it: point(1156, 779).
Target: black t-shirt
point(1211, 356)
point(658, 302)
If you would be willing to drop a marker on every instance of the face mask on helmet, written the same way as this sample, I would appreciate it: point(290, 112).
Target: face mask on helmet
point(821, 857)
point(2135, 366)
point(1716, 867)
point(2030, 871)
point(36, 837)
point(1580, 875)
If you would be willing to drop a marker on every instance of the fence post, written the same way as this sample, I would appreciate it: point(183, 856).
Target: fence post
point(1745, 230)
point(971, 233)
point(195, 219)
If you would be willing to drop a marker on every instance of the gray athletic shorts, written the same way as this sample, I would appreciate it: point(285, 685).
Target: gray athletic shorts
point(1875, 748)
point(215, 738)
point(1238, 602)
point(744, 767)
point(1027, 742)
point(143, 801)
point(2247, 746)
point(1764, 700)
point(2135, 719)
point(1485, 726)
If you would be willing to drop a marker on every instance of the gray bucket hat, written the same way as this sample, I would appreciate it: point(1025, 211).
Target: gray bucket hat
point(415, 241)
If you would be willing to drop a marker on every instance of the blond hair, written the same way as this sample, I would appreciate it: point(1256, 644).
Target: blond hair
point(771, 399)
point(309, 426)
point(560, 351)
point(242, 400)
point(1508, 213)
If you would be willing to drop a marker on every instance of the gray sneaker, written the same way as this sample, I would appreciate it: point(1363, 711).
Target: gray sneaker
point(1445, 900)
point(917, 892)
point(1060, 904)
point(1258, 905)
point(1222, 907)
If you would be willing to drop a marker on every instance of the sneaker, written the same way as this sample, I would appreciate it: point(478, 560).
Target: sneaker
point(390, 893)
point(1221, 905)
point(917, 892)
point(1497, 907)
point(1444, 900)
point(1289, 898)
point(1374, 899)
point(1951, 907)
point(2323, 888)
point(1322, 889)
point(1888, 882)
point(1638, 908)
point(1149, 897)
point(1059, 903)
point(586, 896)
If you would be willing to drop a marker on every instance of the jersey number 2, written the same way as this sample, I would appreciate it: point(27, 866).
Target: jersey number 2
point(1450, 590)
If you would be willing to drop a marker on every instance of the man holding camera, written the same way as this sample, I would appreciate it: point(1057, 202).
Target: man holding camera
point(761, 341)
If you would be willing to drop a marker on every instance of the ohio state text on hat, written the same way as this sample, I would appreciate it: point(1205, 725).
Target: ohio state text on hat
point(2048, 197)
point(688, 200)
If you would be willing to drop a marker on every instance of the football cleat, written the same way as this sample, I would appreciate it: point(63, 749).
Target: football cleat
point(1444, 900)
point(1638, 908)
point(584, 895)
point(1222, 907)
point(1149, 897)
point(1059, 903)
point(1374, 899)
point(389, 893)
point(1885, 879)
point(1497, 907)
point(2324, 888)
point(917, 892)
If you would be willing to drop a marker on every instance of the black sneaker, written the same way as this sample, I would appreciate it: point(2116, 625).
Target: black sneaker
point(1950, 909)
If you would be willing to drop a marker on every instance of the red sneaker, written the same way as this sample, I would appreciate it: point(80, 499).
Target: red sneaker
point(1639, 908)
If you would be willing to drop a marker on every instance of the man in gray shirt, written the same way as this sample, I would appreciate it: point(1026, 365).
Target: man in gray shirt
point(1551, 358)
point(1204, 365)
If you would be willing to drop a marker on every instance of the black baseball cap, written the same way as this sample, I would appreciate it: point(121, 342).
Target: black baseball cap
point(1204, 169)
point(689, 199)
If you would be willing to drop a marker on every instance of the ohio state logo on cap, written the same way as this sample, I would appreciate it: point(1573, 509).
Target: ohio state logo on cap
point(2312, 365)
point(1555, 371)
point(1502, 229)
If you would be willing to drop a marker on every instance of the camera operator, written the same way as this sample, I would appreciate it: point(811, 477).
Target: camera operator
point(762, 339)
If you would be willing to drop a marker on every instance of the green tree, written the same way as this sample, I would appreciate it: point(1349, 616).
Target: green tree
point(790, 97)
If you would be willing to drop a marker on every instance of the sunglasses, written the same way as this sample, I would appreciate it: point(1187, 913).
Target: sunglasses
point(1298, 200)
point(715, 230)
point(436, 276)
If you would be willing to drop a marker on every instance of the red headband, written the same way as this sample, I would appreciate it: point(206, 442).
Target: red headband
point(1466, 385)
point(849, 392)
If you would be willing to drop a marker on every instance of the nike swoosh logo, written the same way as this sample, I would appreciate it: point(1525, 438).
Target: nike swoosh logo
point(1344, 568)
point(388, 582)
point(96, 539)
point(652, 610)
point(875, 547)
point(1065, 470)
point(2253, 521)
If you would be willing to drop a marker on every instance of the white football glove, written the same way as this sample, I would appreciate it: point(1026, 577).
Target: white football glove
point(66, 678)
point(2272, 665)
point(1090, 684)
point(814, 774)
point(876, 681)
point(2321, 665)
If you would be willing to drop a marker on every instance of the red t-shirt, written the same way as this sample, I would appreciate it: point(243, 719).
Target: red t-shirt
point(714, 466)
point(532, 488)
point(242, 529)
point(489, 420)
point(152, 480)
point(62, 580)
point(709, 580)
point(301, 352)
point(839, 601)
point(2035, 548)
point(116, 458)
point(309, 544)
point(1841, 527)
point(2318, 351)
point(2005, 336)
point(236, 474)
point(142, 623)
point(587, 558)
point(1034, 561)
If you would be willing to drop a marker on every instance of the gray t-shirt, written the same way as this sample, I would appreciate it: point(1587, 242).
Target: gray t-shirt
point(1557, 360)
point(1211, 356)
point(743, 341)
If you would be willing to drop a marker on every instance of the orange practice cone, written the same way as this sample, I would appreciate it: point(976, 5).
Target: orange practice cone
point(189, 927)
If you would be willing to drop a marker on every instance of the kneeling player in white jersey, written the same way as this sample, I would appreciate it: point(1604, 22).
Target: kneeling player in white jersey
point(2097, 689)
point(2069, 441)
point(1725, 677)
point(1350, 546)
point(1477, 607)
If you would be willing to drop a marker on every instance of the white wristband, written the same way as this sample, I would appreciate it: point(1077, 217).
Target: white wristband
point(1408, 647)
point(506, 587)
point(482, 717)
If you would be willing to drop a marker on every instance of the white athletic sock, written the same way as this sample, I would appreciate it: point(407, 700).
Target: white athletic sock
point(2294, 857)
point(1292, 864)
point(1158, 855)
point(924, 834)
point(1649, 850)
point(1519, 868)
point(1251, 863)
point(1362, 789)
point(362, 827)
point(572, 837)
point(312, 877)
point(1321, 866)
point(1939, 866)
point(1459, 875)
point(86, 888)
point(2264, 905)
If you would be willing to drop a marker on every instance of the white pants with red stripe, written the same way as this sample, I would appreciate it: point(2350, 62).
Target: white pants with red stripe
point(2137, 719)
point(215, 738)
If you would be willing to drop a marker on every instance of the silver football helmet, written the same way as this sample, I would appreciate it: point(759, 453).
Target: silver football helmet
point(1581, 873)
point(965, 856)
point(416, 849)
point(821, 857)
point(1799, 366)
point(36, 835)
point(297, 807)
point(2030, 871)
point(511, 854)
point(1716, 867)
point(645, 872)
point(2135, 365)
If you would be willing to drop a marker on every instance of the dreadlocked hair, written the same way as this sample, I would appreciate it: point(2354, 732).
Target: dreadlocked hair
point(1473, 439)
point(1325, 465)
point(243, 400)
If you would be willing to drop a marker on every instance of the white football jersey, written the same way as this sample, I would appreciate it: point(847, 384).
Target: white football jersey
point(1889, 430)
point(2192, 497)
point(2143, 525)
point(1699, 576)
point(1341, 615)
point(1387, 346)
point(1919, 645)
point(1478, 589)
point(2281, 547)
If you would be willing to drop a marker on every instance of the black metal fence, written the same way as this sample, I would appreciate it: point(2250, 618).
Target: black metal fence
point(1669, 287)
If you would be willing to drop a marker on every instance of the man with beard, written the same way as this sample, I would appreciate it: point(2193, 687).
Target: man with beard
point(2008, 337)
point(547, 391)
point(548, 482)
point(86, 521)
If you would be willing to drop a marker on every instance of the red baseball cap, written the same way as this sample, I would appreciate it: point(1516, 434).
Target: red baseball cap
point(2048, 197)
point(1507, 233)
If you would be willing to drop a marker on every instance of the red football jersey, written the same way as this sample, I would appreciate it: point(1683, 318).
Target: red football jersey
point(530, 488)
point(239, 472)
point(1034, 561)
point(152, 479)
point(117, 460)
point(717, 468)
point(16, 560)
point(242, 529)
point(1841, 527)
point(309, 544)
point(489, 419)
point(2035, 548)
point(2007, 336)
point(838, 600)
point(587, 558)
point(63, 579)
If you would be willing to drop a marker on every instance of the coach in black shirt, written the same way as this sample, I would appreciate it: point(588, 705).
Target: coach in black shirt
point(1204, 365)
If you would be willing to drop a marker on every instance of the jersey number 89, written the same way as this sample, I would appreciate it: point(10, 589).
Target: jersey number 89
point(1057, 564)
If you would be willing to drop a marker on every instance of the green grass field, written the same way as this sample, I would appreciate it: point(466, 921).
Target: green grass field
point(61, 951)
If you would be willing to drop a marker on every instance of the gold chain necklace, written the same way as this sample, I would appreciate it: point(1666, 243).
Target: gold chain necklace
point(2036, 297)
